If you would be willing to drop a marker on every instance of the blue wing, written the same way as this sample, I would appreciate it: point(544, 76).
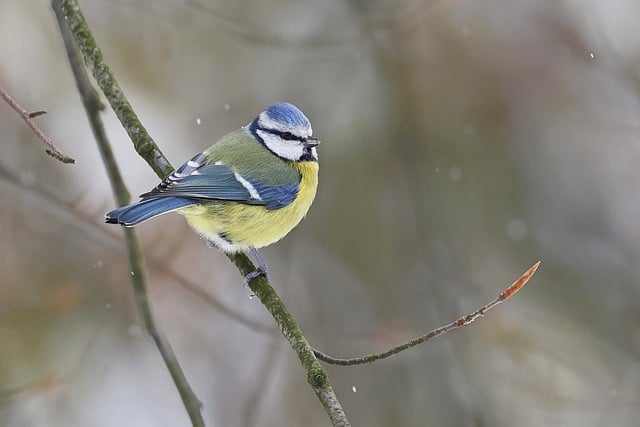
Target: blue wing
point(195, 182)
point(146, 209)
point(219, 182)
point(215, 182)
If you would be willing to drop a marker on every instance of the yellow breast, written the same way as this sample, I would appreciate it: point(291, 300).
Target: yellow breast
point(246, 226)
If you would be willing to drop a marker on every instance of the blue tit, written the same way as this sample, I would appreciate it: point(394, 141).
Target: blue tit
point(247, 191)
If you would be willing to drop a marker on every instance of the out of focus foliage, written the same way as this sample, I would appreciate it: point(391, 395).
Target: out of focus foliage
point(462, 141)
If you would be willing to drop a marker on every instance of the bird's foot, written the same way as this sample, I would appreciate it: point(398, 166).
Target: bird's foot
point(261, 270)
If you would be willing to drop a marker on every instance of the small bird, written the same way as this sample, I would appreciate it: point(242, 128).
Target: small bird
point(247, 191)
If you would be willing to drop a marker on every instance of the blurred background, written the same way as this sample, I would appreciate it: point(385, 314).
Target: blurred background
point(462, 142)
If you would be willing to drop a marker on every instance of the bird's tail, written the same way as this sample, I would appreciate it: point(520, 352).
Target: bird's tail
point(143, 210)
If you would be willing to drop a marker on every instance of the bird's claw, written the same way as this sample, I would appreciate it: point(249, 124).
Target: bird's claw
point(261, 270)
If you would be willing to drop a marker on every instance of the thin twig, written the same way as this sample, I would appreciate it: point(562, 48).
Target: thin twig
point(92, 105)
point(53, 150)
point(462, 321)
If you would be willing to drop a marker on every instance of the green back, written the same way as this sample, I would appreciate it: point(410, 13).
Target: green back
point(251, 159)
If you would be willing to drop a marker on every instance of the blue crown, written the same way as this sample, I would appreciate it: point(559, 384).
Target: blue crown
point(286, 113)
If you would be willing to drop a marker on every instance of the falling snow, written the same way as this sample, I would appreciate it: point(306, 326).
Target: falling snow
point(516, 229)
point(455, 174)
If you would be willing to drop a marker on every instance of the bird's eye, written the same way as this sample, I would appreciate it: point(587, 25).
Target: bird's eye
point(288, 136)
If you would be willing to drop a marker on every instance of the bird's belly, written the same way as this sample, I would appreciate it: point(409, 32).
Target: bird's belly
point(243, 226)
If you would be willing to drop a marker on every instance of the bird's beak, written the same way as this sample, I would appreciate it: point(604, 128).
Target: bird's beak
point(310, 142)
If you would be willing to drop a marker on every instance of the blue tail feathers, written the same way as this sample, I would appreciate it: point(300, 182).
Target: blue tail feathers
point(143, 210)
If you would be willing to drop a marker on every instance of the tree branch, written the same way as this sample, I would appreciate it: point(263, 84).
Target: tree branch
point(92, 106)
point(462, 321)
point(146, 148)
point(316, 375)
point(92, 54)
point(158, 263)
point(53, 150)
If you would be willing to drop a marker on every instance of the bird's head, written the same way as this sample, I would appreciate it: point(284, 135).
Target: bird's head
point(286, 132)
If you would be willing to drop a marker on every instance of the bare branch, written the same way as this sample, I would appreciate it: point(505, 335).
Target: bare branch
point(142, 141)
point(462, 321)
point(91, 104)
point(159, 263)
point(53, 150)
point(147, 149)
point(316, 375)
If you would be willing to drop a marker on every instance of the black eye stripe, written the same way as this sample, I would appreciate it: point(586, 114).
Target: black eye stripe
point(287, 136)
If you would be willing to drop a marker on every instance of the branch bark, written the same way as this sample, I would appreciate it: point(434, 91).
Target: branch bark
point(147, 149)
point(92, 54)
point(92, 107)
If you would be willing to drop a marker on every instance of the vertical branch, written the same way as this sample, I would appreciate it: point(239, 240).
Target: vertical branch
point(142, 142)
point(191, 402)
point(146, 148)
point(92, 106)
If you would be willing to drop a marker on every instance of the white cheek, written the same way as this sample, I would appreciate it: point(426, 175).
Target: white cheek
point(286, 149)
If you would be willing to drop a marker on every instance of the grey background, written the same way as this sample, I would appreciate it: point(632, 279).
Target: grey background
point(462, 142)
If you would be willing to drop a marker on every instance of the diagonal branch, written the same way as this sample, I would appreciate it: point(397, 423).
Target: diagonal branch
point(146, 148)
point(462, 321)
point(92, 107)
point(53, 150)
point(92, 54)
point(159, 263)
point(316, 375)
